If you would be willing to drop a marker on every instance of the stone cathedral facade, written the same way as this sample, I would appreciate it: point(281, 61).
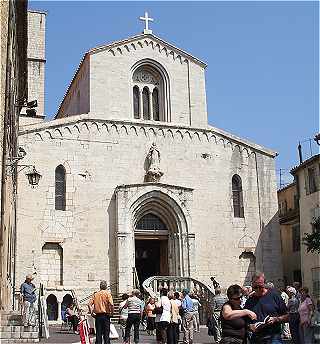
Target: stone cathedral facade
point(133, 176)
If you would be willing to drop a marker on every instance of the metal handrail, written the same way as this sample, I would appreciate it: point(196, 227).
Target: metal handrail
point(136, 282)
point(147, 283)
point(206, 294)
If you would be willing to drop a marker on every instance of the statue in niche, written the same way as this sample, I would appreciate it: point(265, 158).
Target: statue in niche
point(154, 172)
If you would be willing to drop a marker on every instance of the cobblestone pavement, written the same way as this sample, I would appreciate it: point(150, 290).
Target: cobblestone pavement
point(56, 337)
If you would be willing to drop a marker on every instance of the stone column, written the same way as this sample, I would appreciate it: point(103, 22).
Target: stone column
point(140, 103)
point(59, 311)
point(125, 261)
point(150, 104)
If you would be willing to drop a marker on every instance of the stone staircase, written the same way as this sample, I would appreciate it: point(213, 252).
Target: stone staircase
point(13, 331)
point(116, 301)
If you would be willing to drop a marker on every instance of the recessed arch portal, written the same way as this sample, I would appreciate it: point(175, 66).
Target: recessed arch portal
point(167, 207)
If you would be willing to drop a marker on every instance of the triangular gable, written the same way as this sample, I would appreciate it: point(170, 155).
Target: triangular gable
point(143, 40)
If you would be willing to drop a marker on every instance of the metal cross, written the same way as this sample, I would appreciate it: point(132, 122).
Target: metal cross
point(146, 19)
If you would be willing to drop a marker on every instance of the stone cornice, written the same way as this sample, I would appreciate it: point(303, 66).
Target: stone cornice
point(138, 185)
point(145, 40)
point(175, 131)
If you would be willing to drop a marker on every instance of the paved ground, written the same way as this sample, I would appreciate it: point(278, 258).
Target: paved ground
point(58, 337)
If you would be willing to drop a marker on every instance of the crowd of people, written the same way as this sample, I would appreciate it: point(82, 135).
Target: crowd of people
point(256, 314)
point(165, 316)
point(261, 314)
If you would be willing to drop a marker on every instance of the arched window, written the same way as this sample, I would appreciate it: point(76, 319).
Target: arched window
point(155, 104)
point(150, 222)
point(146, 103)
point(237, 196)
point(150, 100)
point(60, 188)
point(136, 102)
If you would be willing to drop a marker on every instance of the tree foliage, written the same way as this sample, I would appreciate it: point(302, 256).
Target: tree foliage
point(312, 240)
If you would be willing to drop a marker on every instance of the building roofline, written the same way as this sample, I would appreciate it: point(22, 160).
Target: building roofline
point(120, 42)
point(37, 11)
point(70, 84)
point(141, 36)
point(245, 142)
point(90, 117)
point(287, 186)
point(304, 164)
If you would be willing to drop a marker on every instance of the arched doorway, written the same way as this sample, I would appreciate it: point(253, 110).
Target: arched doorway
point(52, 307)
point(151, 247)
point(165, 206)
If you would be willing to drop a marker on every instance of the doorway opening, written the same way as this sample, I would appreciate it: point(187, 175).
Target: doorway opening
point(151, 247)
point(151, 258)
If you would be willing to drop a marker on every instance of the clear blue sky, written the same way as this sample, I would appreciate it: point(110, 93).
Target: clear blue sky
point(262, 77)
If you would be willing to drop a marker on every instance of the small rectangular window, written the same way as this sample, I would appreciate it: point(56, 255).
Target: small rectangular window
point(313, 185)
point(297, 276)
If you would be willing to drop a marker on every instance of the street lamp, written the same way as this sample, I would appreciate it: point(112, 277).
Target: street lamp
point(33, 177)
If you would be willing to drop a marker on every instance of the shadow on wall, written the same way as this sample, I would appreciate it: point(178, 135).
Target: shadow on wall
point(263, 255)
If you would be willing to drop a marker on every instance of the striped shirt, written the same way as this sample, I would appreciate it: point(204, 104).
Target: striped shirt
point(135, 305)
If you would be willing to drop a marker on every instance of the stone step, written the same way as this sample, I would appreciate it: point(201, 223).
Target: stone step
point(19, 335)
point(15, 340)
point(18, 328)
point(10, 323)
point(10, 316)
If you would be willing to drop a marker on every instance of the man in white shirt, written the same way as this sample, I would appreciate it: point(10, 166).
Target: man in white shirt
point(166, 314)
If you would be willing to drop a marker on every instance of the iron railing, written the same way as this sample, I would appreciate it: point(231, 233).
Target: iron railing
point(153, 285)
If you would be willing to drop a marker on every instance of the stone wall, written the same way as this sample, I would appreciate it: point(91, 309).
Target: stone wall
point(51, 265)
point(13, 86)
point(309, 210)
point(36, 65)
point(99, 155)
point(111, 90)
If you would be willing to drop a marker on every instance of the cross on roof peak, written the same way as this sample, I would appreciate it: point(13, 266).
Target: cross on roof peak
point(146, 19)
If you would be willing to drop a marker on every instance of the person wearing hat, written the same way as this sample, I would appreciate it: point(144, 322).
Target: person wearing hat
point(294, 317)
point(187, 317)
point(28, 298)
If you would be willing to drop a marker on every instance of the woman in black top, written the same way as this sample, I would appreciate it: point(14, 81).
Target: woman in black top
point(234, 318)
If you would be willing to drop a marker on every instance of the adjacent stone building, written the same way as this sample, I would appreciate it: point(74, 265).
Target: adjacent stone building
point(307, 179)
point(290, 233)
point(13, 94)
point(133, 177)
